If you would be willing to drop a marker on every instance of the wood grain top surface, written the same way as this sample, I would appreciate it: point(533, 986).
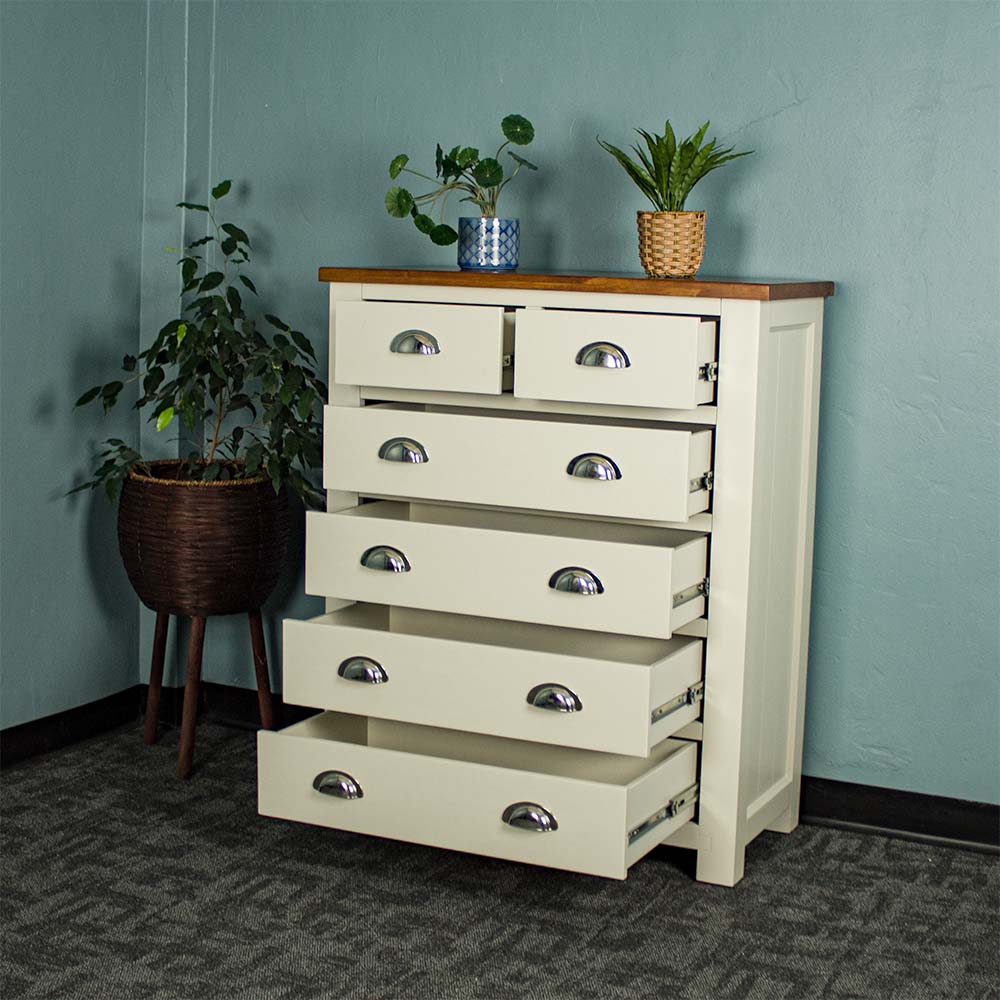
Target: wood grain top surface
point(761, 289)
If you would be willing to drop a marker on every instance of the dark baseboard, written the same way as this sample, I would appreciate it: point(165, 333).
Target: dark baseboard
point(864, 808)
point(891, 812)
point(221, 703)
point(224, 704)
point(17, 743)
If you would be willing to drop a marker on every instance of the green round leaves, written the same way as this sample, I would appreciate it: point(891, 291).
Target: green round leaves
point(424, 223)
point(398, 202)
point(443, 235)
point(517, 129)
point(461, 172)
point(488, 173)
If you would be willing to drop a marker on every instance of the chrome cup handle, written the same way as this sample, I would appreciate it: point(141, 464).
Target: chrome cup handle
point(574, 580)
point(385, 557)
point(593, 466)
point(401, 449)
point(529, 816)
point(363, 669)
point(415, 342)
point(554, 698)
point(339, 784)
point(602, 354)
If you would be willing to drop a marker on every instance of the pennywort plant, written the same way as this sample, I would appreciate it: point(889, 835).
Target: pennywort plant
point(480, 178)
point(244, 396)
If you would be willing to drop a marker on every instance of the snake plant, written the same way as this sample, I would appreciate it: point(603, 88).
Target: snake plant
point(667, 169)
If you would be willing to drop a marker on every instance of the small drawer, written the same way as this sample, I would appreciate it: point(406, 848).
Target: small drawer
point(581, 574)
point(650, 472)
point(423, 346)
point(572, 809)
point(628, 359)
point(614, 693)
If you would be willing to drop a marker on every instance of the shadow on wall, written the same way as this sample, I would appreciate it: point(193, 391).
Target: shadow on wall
point(111, 587)
point(288, 591)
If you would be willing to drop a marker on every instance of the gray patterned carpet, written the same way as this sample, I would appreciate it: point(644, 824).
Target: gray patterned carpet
point(118, 881)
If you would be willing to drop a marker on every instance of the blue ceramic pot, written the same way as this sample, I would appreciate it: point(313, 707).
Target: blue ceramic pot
point(488, 244)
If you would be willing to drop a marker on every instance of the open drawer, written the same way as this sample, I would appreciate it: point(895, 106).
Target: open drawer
point(414, 345)
point(649, 471)
point(614, 693)
point(630, 359)
point(572, 809)
point(631, 579)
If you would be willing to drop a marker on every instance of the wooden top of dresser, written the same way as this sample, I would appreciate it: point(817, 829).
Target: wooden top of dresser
point(761, 289)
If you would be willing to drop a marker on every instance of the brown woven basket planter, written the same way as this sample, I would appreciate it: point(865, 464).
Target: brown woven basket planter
point(671, 244)
point(201, 548)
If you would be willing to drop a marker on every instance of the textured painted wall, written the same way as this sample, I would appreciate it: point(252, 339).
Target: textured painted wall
point(71, 132)
point(876, 134)
point(877, 144)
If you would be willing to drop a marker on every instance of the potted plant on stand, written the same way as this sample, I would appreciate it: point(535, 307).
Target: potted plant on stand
point(206, 534)
point(485, 242)
point(671, 240)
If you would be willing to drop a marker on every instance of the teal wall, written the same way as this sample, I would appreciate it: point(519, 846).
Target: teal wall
point(877, 144)
point(71, 134)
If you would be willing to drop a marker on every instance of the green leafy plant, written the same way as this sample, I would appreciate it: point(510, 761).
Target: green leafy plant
point(463, 169)
point(667, 170)
point(245, 403)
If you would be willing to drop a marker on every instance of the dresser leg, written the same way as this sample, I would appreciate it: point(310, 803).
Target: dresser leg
point(722, 864)
point(189, 721)
point(156, 678)
point(264, 701)
point(788, 821)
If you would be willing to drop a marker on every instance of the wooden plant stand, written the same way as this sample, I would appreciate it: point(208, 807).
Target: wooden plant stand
point(189, 718)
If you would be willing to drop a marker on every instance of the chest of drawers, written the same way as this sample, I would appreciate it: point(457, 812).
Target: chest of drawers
point(567, 562)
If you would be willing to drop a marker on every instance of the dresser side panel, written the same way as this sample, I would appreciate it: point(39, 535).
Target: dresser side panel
point(725, 746)
point(780, 569)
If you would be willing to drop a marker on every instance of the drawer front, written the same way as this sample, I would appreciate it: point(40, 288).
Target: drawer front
point(437, 788)
point(420, 346)
point(629, 359)
point(511, 462)
point(353, 661)
point(573, 582)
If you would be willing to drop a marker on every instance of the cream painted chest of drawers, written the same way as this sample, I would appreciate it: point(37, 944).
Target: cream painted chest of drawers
point(567, 562)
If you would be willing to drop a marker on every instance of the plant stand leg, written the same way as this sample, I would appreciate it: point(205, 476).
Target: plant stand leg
point(189, 721)
point(267, 713)
point(156, 678)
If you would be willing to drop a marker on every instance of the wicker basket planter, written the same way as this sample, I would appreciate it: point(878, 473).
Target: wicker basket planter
point(201, 548)
point(671, 244)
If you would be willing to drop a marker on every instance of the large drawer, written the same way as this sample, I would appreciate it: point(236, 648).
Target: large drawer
point(631, 359)
point(614, 693)
point(574, 573)
point(423, 346)
point(572, 809)
point(579, 465)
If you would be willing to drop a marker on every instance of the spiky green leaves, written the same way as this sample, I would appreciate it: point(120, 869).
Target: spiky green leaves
point(666, 170)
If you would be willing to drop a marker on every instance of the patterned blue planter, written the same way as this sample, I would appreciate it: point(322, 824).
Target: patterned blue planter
point(488, 244)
